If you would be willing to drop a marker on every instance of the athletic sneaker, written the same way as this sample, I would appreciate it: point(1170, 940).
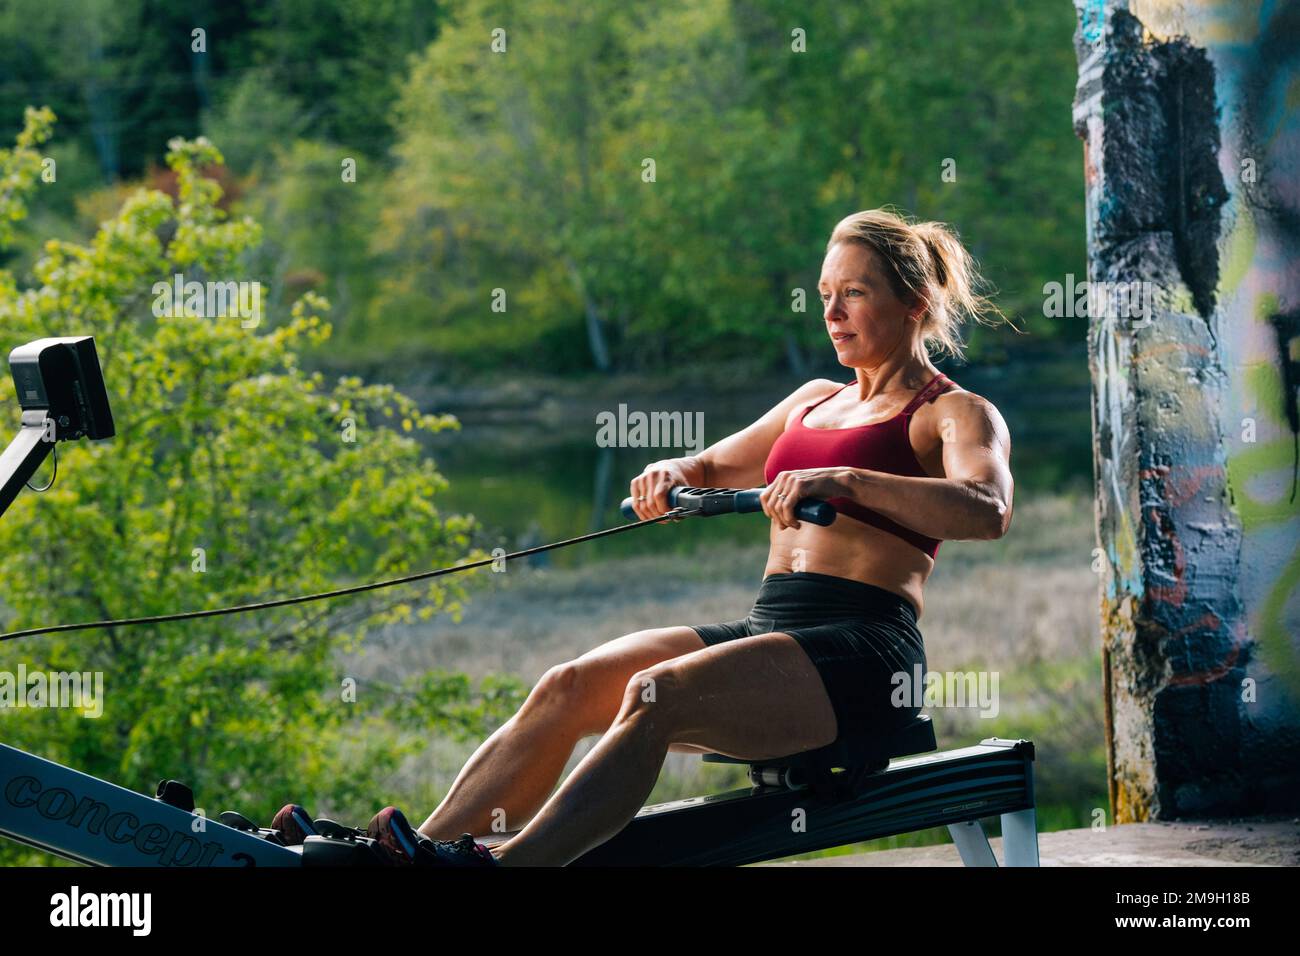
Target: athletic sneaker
point(463, 852)
point(394, 836)
point(406, 846)
point(294, 824)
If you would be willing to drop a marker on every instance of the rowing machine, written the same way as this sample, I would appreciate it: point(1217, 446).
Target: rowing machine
point(91, 821)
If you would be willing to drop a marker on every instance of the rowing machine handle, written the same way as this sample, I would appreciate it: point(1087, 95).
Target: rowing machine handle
point(744, 501)
point(810, 509)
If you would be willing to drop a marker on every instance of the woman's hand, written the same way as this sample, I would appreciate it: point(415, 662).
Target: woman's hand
point(789, 488)
point(649, 490)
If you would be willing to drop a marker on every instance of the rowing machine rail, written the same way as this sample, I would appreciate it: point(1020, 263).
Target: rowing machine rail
point(83, 818)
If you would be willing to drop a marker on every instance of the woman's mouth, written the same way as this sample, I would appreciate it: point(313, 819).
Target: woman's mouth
point(841, 337)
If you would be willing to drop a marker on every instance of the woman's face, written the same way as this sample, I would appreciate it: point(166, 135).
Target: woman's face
point(866, 321)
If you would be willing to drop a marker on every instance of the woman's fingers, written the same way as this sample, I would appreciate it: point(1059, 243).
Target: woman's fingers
point(772, 504)
point(643, 497)
point(635, 492)
point(779, 499)
point(661, 496)
point(787, 509)
point(649, 493)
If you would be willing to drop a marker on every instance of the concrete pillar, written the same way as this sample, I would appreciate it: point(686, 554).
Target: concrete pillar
point(1191, 135)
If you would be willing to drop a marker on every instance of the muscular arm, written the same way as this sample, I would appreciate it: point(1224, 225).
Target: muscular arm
point(973, 500)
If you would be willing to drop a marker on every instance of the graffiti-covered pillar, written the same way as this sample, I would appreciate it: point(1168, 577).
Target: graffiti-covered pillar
point(1191, 132)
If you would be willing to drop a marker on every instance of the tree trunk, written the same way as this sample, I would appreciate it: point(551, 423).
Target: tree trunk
point(591, 314)
point(794, 356)
point(101, 104)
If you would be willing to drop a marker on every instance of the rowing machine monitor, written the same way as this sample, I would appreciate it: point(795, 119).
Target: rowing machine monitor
point(61, 391)
point(718, 501)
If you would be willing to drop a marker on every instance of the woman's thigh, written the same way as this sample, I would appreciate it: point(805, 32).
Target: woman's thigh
point(603, 672)
point(751, 698)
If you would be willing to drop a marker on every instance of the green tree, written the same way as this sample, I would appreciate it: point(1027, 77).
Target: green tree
point(344, 59)
point(503, 161)
point(319, 224)
point(767, 121)
point(233, 475)
point(578, 158)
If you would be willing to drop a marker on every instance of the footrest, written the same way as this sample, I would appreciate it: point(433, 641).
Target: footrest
point(329, 851)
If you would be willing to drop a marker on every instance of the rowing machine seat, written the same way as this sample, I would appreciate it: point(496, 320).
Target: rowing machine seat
point(859, 751)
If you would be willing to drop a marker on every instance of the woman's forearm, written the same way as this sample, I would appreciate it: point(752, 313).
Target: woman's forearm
point(936, 507)
point(692, 467)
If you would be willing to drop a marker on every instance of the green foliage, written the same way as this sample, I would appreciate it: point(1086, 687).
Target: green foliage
point(234, 475)
point(519, 173)
point(19, 169)
point(253, 115)
point(344, 58)
point(522, 169)
point(319, 226)
point(125, 75)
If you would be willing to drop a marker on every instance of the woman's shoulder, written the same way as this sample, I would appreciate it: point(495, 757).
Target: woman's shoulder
point(814, 390)
point(806, 395)
point(953, 393)
point(965, 406)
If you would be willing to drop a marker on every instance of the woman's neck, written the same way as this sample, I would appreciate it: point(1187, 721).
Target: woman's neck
point(904, 375)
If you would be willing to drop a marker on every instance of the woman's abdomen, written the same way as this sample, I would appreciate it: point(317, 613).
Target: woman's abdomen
point(854, 550)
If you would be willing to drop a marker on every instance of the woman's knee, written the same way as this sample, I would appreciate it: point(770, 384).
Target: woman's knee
point(571, 692)
point(652, 696)
point(558, 689)
point(592, 689)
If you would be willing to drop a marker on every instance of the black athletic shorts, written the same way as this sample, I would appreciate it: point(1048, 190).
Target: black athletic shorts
point(857, 636)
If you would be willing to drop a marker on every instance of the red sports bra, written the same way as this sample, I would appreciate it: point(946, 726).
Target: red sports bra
point(880, 446)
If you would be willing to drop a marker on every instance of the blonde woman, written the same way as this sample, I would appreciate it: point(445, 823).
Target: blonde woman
point(906, 456)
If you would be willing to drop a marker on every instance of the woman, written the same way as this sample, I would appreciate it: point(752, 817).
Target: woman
point(906, 457)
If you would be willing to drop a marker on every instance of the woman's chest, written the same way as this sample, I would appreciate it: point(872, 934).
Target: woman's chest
point(881, 447)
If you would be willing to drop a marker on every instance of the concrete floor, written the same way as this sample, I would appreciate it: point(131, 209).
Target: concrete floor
point(1264, 841)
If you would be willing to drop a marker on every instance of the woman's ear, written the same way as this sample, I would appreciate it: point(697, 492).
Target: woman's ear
point(920, 306)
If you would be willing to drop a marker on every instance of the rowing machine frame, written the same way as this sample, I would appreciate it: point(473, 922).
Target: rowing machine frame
point(88, 820)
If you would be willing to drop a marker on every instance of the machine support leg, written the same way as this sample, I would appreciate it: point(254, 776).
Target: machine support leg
point(972, 844)
point(1020, 838)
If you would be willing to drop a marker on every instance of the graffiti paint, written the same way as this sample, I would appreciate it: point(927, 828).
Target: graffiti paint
point(1192, 169)
point(1093, 20)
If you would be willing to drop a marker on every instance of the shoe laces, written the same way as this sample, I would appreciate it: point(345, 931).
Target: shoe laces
point(466, 846)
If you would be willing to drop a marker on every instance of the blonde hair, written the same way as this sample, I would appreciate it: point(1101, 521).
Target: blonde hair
point(924, 257)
